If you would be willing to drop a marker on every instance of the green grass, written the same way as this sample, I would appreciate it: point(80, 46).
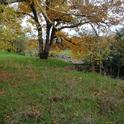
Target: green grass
point(34, 91)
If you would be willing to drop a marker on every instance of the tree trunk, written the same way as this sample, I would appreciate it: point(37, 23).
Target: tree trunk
point(44, 48)
point(44, 55)
point(49, 42)
point(118, 72)
point(40, 41)
point(44, 52)
point(93, 68)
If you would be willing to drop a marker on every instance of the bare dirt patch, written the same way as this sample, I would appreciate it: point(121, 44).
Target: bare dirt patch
point(75, 67)
point(4, 76)
point(69, 68)
point(2, 92)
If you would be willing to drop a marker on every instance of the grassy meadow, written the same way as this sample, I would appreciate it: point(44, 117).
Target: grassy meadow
point(34, 91)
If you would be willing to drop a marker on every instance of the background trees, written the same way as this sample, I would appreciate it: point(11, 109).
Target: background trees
point(11, 35)
point(115, 61)
point(54, 16)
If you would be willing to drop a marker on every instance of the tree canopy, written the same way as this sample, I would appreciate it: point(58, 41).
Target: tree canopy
point(52, 16)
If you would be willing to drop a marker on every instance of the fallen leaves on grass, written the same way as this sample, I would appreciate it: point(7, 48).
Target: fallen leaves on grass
point(106, 102)
point(98, 92)
point(69, 68)
point(58, 98)
point(2, 92)
point(14, 85)
point(87, 119)
point(4, 76)
point(32, 112)
point(107, 105)
point(31, 72)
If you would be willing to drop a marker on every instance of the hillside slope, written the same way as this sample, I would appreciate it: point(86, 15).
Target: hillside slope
point(34, 91)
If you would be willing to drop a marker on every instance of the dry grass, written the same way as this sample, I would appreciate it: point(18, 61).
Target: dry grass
point(4, 76)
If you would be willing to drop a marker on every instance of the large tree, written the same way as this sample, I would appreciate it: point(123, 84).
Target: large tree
point(53, 16)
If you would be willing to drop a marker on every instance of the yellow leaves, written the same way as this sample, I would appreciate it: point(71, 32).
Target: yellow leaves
point(57, 47)
point(75, 44)
point(4, 45)
point(58, 5)
point(9, 34)
point(9, 20)
point(93, 13)
point(76, 40)
point(24, 7)
point(8, 15)
point(57, 10)
point(32, 44)
point(86, 46)
point(60, 34)
point(55, 15)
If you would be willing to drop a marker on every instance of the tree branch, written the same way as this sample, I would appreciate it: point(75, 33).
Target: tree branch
point(24, 13)
point(94, 30)
point(65, 13)
point(44, 13)
point(73, 26)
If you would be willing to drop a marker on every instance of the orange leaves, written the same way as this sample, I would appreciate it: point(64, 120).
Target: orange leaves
point(24, 7)
point(60, 34)
point(32, 44)
point(2, 92)
point(86, 46)
point(4, 76)
point(57, 47)
point(94, 13)
point(57, 10)
point(55, 15)
point(76, 44)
